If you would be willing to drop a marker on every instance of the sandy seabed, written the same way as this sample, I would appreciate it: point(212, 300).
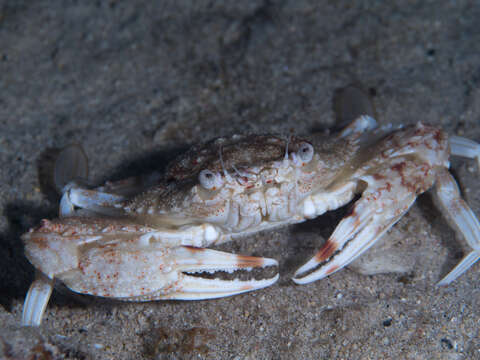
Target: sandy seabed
point(137, 82)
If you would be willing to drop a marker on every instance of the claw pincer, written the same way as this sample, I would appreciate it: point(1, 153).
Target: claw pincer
point(118, 259)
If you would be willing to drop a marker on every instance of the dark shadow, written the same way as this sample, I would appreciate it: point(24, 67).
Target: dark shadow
point(307, 238)
point(45, 170)
point(153, 161)
point(348, 103)
point(352, 101)
point(16, 273)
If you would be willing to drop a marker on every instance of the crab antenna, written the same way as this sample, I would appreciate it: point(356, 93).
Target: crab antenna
point(286, 147)
point(236, 170)
point(241, 177)
point(224, 169)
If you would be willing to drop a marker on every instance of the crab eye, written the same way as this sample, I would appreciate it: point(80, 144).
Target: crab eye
point(209, 180)
point(305, 153)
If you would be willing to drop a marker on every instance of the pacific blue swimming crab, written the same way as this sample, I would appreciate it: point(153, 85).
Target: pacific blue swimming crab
point(139, 248)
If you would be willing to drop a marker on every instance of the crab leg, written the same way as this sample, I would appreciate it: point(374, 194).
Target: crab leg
point(386, 199)
point(37, 299)
point(460, 146)
point(91, 200)
point(359, 126)
point(462, 218)
point(70, 175)
point(71, 167)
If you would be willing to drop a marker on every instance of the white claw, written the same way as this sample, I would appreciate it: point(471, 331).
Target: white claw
point(90, 200)
point(195, 288)
point(192, 259)
point(197, 260)
point(356, 233)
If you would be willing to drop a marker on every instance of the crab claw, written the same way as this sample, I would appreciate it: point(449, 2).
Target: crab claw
point(382, 204)
point(174, 277)
point(352, 237)
point(117, 259)
point(152, 272)
point(200, 260)
point(173, 283)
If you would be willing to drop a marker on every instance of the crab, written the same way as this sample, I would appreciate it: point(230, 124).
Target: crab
point(124, 242)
